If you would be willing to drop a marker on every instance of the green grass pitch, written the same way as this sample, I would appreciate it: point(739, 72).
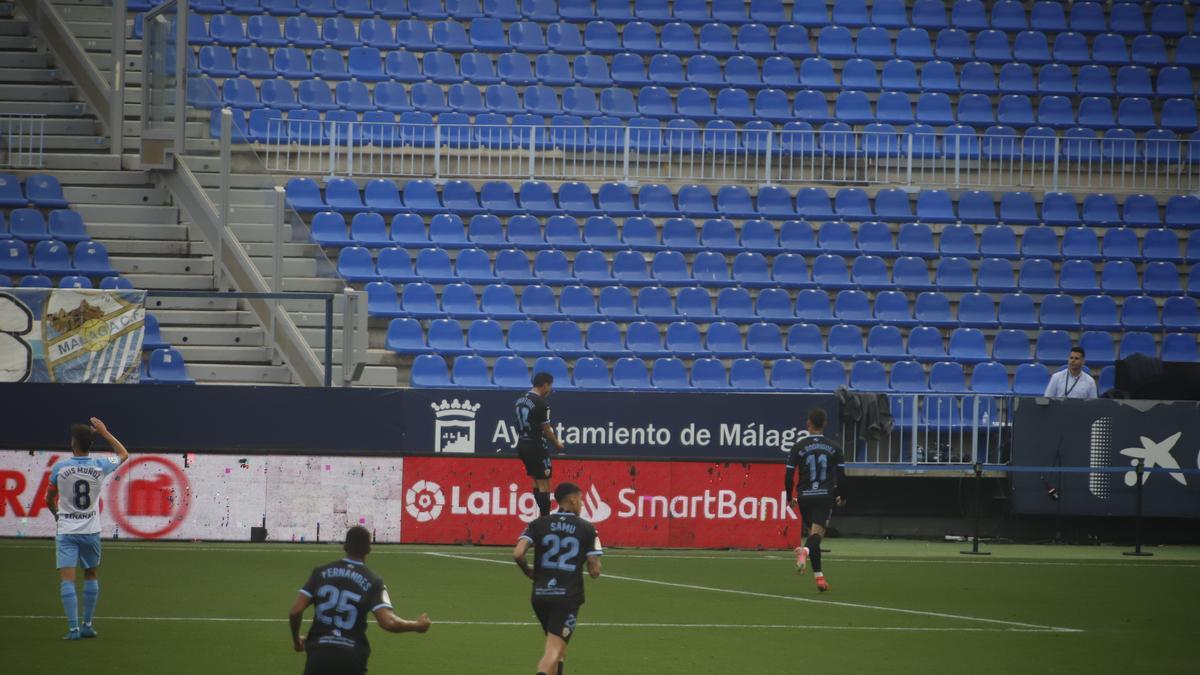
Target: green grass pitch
point(895, 607)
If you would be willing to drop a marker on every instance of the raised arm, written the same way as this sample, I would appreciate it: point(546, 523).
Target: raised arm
point(519, 556)
point(117, 447)
point(296, 617)
point(387, 620)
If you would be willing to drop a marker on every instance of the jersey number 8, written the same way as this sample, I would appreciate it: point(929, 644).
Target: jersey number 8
point(343, 605)
point(83, 494)
point(565, 548)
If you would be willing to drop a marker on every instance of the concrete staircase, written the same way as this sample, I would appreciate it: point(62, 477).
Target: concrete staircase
point(125, 209)
point(220, 339)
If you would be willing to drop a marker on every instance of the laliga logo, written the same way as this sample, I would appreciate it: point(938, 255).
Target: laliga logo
point(424, 501)
point(454, 427)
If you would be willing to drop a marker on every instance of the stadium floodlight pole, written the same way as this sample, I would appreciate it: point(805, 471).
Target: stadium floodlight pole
point(1140, 471)
point(978, 509)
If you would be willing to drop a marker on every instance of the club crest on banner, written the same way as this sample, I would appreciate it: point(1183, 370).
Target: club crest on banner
point(454, 426)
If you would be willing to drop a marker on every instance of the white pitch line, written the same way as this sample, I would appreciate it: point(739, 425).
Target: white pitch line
point(792, 598)
point(385, 550)
point(590, 624)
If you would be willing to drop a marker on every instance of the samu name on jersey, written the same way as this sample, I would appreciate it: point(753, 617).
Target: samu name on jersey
point(532, 412)
point(562, 542)
point(343, 592)
point(79, 480)
point(819, 462)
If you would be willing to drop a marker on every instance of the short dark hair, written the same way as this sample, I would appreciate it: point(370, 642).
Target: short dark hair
point(1079, 349)
point(358, 541)
point(542, 378)
point(565, 490)
point(83, 436)
point(817, 417)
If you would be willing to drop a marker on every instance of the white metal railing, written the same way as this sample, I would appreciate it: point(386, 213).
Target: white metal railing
point(22, 140)
point(936, 429)
point(689, 154)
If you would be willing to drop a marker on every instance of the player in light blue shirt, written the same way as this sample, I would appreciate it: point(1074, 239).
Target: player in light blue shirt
point(74, 499)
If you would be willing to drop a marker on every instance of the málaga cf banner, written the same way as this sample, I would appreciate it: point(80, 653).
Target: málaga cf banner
point(71, 335)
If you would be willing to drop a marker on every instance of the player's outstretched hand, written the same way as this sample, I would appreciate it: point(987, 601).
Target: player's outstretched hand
point(561, 447)
point(423, 623)
point(840, 501)
point(99, 426)
point(298, 645)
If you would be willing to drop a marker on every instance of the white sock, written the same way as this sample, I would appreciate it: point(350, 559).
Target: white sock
point(819, 575)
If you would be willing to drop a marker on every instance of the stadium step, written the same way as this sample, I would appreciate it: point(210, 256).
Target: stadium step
point(232, 336)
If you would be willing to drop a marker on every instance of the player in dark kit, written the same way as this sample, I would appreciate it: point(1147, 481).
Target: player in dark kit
point(345, 591)
point(821, 485)
point(535, 432)
point(561, 543)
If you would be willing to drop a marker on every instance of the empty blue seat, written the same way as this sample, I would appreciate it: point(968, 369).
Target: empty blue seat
point(1180, 347)
point(1057, 311)
point(1120, 277)
point(1011, 346)
point(1138, 342)
point(1078, 276)
point(932, 308)
point(828, 375)
point(914, 44)
point(1169, 20)
point(1030, 379)
point(948, 378)
point(1079, 243)
point(265, 31)
point(1140, 312)
point(1053, 347)
point(868, 376)
point(953, 45)
point(1031, 47)
point(990, 378)
point(166, 366)
point(1160, 244)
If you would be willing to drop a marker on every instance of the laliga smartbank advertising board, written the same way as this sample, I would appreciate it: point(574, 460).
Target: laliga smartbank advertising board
point(660, 504)
point(481, 500)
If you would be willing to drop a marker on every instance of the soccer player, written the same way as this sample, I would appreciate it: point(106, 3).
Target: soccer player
point(533, 425)
point(558, 541)
point(345, 591)
point(821, 485)
point(73, 498)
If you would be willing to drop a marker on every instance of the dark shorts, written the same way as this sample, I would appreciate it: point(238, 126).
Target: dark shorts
point(335, 661)
point(816, 510)
point(557, 616)
point(536, 460)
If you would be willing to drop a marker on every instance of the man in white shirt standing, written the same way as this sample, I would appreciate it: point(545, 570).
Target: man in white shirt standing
point(1074, 382)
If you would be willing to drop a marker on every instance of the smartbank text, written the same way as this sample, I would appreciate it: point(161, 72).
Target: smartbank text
point(744, 435)
point(709, 505)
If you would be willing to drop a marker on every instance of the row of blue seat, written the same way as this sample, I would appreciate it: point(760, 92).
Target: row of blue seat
point(655, 303)
point(747, 374)
point(40, 190)
point(67, 281)
point(55, 258)
point(789, 270)
point(29, 224)
point(1086, 17)
point(579, 105)
point(563, 232)
point(683, 339)
point(369, 64)
point(538, 198)
point(717, 39)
